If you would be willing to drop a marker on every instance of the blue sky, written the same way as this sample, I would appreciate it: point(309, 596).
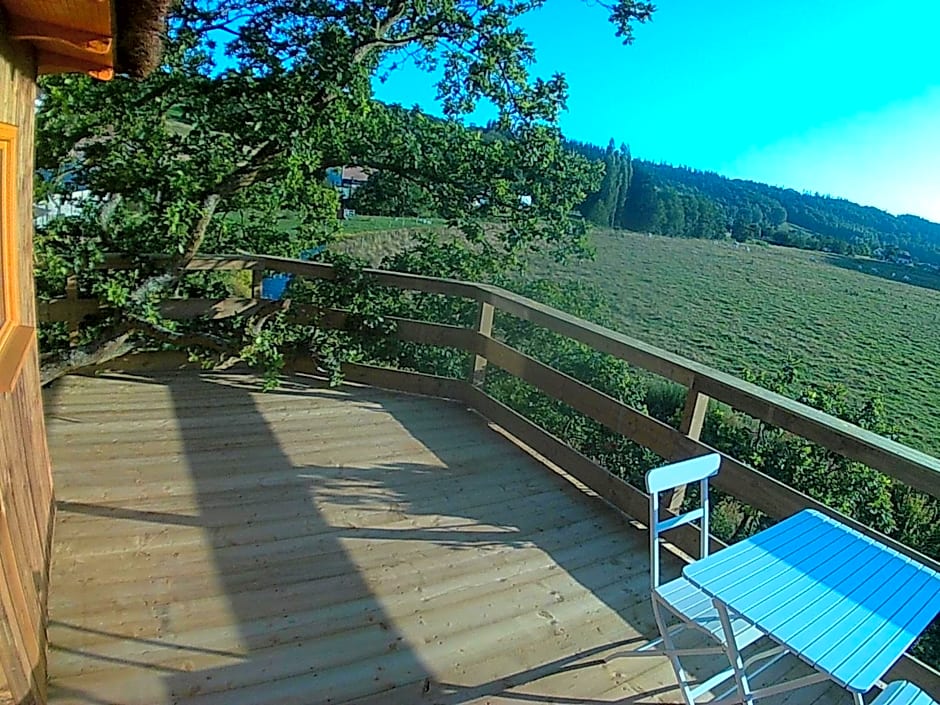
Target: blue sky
point(840, 97)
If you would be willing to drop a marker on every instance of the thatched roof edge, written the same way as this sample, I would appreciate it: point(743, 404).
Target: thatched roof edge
point(141, 32)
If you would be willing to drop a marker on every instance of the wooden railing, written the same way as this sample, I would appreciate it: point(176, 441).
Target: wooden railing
point(907, 465)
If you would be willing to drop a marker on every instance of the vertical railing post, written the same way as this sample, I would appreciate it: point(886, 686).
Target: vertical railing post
point(257, 275)
point(71, 293)
point(693, 419)
point(484, 327)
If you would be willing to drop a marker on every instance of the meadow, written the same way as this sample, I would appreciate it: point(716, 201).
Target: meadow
point(379, 223)
point(755, 307)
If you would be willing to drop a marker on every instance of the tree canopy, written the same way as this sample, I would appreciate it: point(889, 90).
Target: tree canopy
point(224, 148)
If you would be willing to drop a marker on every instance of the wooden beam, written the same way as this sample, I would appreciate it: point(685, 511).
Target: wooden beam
point(912, 467)
point(693, 414)
point(916, 469)
point(28, 29)
point(774, 498)
point(52, 62)
point(485, 328)
point(615, 415)
point(398, 280)
point(118, 262)
point(437, 334)
point(635, 352)
point(613, 490)
point(408, 382)
point(207, 263)
point(71, 294)
point(633, 503)
point(777, 499)
point(693, 419)
point(213, 309)
point(257, 277)
point(66, 310)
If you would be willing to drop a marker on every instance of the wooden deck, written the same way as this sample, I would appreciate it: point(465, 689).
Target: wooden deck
point(214, 544)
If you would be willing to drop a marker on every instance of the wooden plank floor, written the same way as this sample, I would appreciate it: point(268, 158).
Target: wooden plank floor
point(214, 544)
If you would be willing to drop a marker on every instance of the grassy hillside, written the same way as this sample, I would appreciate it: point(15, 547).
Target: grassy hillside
point(735, 308)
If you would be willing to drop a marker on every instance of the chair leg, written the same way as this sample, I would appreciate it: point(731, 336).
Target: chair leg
point(858, 699)
point(734, 656)
point(670, 648)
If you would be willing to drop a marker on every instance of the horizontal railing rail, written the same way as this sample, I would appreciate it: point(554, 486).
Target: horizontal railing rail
point(776, 499)
point(912, 467)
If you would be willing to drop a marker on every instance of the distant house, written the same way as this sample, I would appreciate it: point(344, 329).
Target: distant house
point(346, 179)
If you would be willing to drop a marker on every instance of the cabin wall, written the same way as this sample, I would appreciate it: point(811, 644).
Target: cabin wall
point(26, 502)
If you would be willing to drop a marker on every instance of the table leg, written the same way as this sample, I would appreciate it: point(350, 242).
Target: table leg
point(734, 656)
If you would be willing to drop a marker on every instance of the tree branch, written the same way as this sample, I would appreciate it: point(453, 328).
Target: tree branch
point(209, 204)
point(113, 344)
point(118, 341)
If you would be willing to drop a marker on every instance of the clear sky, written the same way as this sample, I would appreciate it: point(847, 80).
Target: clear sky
point(840, 97)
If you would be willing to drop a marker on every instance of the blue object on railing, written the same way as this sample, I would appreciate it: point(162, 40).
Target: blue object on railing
point(274, 286)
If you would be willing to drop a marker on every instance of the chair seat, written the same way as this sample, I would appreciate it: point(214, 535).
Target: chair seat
point(695, 607)
point(903, 693)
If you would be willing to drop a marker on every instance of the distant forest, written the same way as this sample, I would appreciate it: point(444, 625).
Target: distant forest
point(683, 202)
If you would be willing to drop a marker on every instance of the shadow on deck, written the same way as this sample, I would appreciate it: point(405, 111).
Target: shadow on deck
point(219, 545)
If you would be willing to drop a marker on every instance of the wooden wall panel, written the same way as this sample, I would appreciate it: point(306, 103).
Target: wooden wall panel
point(26, 502)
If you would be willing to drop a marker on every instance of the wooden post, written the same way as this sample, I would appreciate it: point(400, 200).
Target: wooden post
point(257, 275)
point(484, 327)
point(71, 293)
point(693, 418)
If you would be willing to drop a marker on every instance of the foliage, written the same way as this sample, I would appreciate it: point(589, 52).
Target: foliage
point(387, 193)
point(605, 207)
point(848, 486)
point(630, 197)
point(224, 148)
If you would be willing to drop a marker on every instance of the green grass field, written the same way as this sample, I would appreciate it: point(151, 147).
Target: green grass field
point(751, 308)
point(373, 237)
point(377, 223)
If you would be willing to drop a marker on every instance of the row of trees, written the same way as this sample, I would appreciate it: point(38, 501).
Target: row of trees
point(809, 221)
point(683, 202)
point(631, 198)
point(607, 206)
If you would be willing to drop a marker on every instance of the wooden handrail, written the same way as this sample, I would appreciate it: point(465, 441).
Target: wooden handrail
point(912, 467)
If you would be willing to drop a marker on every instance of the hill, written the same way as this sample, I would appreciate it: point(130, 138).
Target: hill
point(680, 201)
point(756, 307)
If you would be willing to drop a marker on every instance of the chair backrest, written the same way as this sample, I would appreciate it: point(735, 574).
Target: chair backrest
point(669, 477)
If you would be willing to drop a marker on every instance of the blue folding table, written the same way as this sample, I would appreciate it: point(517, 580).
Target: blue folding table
point(841, 601)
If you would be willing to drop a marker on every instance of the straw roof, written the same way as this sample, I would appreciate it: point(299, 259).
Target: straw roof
point(141, 28)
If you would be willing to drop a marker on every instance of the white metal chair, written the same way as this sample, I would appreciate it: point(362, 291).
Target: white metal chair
point(679, 597)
